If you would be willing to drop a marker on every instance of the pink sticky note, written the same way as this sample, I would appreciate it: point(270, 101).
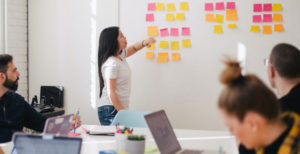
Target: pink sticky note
point(151, 7)
point(230, 5)
point(164, 32)
point(256, 18)
point(267, 17)
point(149, 17)
point(220, 6)
point(174, 31)
point(209, 6)
point(268, 7)
point(185, 31)
point(257, 7)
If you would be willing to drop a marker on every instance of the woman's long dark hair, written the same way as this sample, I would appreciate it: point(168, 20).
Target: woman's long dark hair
point(108, 46)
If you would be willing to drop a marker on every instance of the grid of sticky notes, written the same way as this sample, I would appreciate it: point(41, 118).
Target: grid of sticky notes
point(170, 40)
point(266, 18)
point(218, 12)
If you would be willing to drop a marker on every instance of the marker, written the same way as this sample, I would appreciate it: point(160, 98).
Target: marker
point(76, 121)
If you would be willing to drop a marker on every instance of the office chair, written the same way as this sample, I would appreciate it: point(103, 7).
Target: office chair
point(130, 119)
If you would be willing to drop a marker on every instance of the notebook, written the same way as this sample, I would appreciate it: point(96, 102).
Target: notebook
point(59, 125)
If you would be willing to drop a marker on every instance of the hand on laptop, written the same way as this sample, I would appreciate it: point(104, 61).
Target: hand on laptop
point(76, 119)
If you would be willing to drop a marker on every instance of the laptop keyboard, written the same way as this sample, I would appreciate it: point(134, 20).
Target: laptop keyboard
point(191, 152)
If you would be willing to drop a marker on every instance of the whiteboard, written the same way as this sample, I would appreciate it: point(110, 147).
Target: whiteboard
point(189, 89)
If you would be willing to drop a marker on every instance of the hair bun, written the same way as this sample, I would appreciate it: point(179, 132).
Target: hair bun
point(232, 71)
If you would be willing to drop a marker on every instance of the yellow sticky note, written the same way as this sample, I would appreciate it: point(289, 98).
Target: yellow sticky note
point(149, 55)
point(231, 25)
point(186, 43)
point(169, 17)
point(180, 16)
point(170, 7)
point(184, 6)
point(255, 28)
point(231, 15)
point(277, 7)
point(151, 46)
point(219, 18)
point(277, 17)
point(218, 29)
point(267, 29)
point(278, 28)
point(152, 31)
point(175, 45)
point(175, 56)
point(162, 57)
point(164, 44)
point(160, 6)
point(209, 17)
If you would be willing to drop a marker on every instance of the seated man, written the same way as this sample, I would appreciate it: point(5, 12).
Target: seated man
point(15, 112)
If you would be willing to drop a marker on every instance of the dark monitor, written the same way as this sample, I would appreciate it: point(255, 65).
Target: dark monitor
point(52, 95)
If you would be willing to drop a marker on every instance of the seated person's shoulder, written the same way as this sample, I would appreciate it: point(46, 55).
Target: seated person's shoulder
point(13, 96)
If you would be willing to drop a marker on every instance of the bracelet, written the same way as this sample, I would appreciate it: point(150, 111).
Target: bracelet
point(143, 43)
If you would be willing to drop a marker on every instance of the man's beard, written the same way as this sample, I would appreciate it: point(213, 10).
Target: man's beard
point(12, 85)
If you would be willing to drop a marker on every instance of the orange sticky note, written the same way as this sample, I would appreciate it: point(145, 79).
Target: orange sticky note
point(278, 28)
point(231, 15)
point(175, 56)
point(163, 57)
point(218, 29)
point(219, 18)
point(174, 45)
point(160, 6)
point(231, 25)
point(277, 17)
point(163, 44)
point(186, 43)
point(170, 7)
point(149, 55)
point(152, 31)
point(209, 17)
point(180, 16)
point(184, 6)
point(267, 29)
point(255, 28)
point(151, 46)
point(169, 17)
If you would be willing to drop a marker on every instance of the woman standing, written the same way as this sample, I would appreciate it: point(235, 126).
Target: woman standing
point(114, 72)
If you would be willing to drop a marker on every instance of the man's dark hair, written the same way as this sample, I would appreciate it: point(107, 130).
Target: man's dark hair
point(286, 60)
point(4, 60)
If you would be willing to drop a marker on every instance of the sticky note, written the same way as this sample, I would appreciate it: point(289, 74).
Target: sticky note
point(256, 18)
point(149, 55)
point(267, 29)
point(160, 6)
point(184, 6)
point(254, 28)
point(164, 32)
point(169, 17)
point(267, 7)
point(278, 28)
point(180, 16)
point(151, 46)
point(164, 44)
point(170, 7)
point(175, 56)
point(174, 45)
point(218, 29)
point(152, 31)
point(231, 26)
point(174, 32)
point(209, 17)
point(220, 6)
point(185, 31)
point(267, 18)
point(149, 17)
point(219, 18)
point(230, 5)
point(186, 43)
point(231, 15)
point(277, 7)
point(257, 8)
point(151, 7)
point(277, 17)
point(162, 57)
point(209, 6)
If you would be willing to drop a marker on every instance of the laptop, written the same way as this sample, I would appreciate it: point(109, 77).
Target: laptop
point(164, 135)
point(59, 125)
point(46, 144)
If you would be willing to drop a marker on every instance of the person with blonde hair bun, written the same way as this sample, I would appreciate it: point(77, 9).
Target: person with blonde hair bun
point(252, 113)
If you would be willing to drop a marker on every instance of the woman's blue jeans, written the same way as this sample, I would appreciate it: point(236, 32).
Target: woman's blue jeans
point(106, 114)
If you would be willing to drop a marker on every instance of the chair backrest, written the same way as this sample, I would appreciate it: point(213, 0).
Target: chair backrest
point(130, 118)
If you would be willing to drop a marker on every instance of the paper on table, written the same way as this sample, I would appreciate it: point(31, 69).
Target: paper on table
point(99, 130)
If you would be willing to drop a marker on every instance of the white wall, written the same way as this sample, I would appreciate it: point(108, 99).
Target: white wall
point(1, 26)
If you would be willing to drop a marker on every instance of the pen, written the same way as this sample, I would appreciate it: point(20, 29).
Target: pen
point(76, 121)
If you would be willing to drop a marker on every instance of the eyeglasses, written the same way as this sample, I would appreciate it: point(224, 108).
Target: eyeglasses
point(266, 61)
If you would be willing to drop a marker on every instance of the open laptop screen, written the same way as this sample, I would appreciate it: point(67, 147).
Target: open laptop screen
point(34, 144)
point(162, 132)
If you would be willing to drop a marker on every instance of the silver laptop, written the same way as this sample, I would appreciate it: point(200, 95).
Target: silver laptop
point(164, 135)
point(46, 144)
point(59, 125)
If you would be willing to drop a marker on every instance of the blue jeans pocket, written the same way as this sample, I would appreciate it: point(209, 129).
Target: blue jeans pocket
point(106, 114)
